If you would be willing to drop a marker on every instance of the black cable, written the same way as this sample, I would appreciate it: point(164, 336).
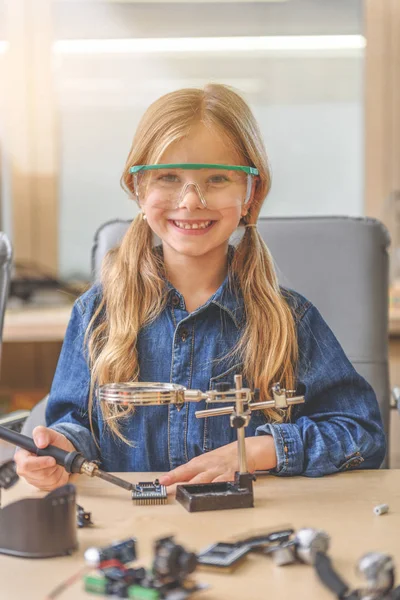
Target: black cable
point(329, 577)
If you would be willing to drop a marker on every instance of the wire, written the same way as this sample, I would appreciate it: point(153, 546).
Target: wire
point(67, 583)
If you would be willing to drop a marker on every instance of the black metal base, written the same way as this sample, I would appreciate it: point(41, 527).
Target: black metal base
point(218, 496)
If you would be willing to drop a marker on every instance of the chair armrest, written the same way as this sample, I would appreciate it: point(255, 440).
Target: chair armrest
point(14, 420)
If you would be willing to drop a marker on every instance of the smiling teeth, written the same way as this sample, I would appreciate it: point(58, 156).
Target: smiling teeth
point(183, 225)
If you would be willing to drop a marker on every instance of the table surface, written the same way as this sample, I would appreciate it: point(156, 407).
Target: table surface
point(342, 505)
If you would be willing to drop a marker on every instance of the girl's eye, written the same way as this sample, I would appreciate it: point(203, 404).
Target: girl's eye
point(216, 179)
point(168, 177)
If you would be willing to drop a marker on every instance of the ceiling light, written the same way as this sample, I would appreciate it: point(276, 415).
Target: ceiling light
point(212, 44)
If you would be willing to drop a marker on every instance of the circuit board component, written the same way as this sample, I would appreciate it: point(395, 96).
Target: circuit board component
point(222, 556)
point(149, 492)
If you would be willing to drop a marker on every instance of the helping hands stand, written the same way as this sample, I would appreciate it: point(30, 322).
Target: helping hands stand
point(207, 496)
point(237, 493)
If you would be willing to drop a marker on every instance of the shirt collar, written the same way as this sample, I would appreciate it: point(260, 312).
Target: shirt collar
point(227, 297)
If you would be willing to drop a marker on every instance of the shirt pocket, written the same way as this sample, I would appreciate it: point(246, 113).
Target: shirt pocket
point(217, 430)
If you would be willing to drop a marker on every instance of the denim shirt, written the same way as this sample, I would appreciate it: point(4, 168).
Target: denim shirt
point(338, 428)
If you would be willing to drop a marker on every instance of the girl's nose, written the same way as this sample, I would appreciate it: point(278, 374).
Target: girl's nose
point(191, 198)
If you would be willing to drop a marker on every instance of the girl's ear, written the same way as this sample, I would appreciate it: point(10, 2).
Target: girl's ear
point(245, 209)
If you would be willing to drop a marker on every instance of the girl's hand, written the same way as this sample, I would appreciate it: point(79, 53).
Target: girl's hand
point(221, 464)
point(43, 471)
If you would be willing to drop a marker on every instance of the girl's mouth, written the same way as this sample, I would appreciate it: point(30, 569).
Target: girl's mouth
point(193, 226)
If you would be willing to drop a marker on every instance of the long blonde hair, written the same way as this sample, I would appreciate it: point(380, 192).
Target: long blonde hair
point(133, 288)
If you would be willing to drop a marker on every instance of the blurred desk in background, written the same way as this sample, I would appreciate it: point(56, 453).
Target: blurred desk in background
point(38, 324)
point(32, 340)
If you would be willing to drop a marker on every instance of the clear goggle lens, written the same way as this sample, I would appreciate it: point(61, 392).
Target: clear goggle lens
point(217, 187)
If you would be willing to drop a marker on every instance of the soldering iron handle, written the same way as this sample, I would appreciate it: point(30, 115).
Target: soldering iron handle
point(72, 461)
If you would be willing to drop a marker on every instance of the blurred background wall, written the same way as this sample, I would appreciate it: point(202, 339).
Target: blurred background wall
point(307, 94)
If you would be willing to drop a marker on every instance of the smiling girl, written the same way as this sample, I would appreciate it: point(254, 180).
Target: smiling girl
point(196, 310)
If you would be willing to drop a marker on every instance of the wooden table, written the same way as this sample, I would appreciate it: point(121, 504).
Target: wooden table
point(342, 505)
point(36, 324)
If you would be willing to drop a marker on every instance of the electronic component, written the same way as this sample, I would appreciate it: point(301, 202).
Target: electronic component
point(123, 551)
point(381, 509)
point(167, 579)
point(222, 556)
point(308, 542)
point(172, 561)
point(149, 492)
point(83, 518)
point(265, 541)
point(377, 569)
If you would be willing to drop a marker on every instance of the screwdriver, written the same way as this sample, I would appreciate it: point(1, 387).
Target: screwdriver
point(73, 462)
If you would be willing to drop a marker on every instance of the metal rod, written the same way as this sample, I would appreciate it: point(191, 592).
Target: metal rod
point(211, 412)
point(241, 430)
point(112, 479)
point(217, 412)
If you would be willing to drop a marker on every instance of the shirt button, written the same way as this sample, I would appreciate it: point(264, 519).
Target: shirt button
point(184, 334)
point(175, 300)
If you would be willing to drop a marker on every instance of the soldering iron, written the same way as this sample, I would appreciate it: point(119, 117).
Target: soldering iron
point(73, 462)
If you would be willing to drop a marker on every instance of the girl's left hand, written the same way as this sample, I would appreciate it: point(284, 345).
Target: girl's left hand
point(221, 464)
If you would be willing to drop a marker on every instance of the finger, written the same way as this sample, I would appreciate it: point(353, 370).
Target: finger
point(20, 455)
point(50, 483)
point(42, 436)
point(204, 477)
point(32, 463)
point(182, 473)
point(224, 477)
point(45, 476)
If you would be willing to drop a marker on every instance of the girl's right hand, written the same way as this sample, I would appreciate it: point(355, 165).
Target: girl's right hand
point(43, 471)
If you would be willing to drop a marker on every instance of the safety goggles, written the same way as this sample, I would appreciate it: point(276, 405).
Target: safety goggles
point(217, 186)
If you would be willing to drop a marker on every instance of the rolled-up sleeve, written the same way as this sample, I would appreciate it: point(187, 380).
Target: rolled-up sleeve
point(67, 407)
point(339, 427)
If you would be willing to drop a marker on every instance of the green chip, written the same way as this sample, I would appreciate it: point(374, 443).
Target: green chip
point(95, 584)
point(137, 592)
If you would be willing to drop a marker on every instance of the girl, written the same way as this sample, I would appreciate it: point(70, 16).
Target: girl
point(195, 311)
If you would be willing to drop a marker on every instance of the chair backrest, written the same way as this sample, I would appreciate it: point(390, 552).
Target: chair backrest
point(341, 265)
point(5, 278)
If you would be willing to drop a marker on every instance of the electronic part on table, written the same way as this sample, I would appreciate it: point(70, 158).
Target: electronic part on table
point(149, 492)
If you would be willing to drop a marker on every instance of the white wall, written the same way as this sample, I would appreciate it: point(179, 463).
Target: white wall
point(310, 111)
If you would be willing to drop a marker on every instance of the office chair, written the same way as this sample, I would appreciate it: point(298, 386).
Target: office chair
point(340, 264)
point(5, 278)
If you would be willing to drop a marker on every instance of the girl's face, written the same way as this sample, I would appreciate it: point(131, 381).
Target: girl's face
point(212, 228)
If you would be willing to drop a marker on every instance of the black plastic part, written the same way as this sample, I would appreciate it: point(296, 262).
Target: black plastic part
point(172, 561)
point(83, 518)
point(217, 496)
point(238, 422)
point(225, 556)
point(40, 527)
point(8, 475)
point(266, 540)
point(72, 462)
point(222, 386)
point(328, 575)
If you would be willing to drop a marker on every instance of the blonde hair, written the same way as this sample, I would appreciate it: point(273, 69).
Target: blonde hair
point(134, 290)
